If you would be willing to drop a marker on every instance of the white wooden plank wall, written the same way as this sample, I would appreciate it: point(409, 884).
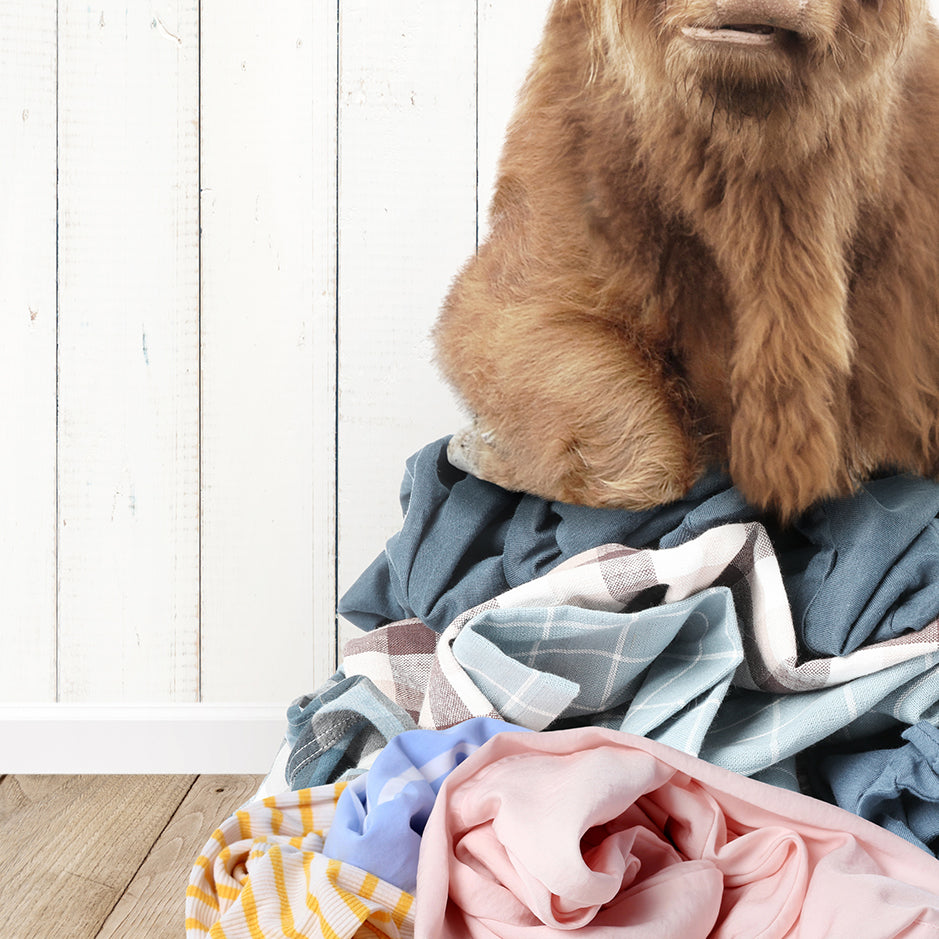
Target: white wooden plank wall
point(128, 359)
point(27, 350)
point(226, 241)
point(264, 344)
point(224, 237)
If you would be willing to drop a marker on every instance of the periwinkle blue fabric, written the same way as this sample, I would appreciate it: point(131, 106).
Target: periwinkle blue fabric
point(381, 815)
point(897, 789)
point(857, 570)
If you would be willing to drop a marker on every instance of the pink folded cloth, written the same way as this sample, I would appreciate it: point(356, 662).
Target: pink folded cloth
point(610, 834)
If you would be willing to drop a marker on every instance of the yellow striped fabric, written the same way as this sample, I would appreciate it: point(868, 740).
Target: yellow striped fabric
point(262, 875)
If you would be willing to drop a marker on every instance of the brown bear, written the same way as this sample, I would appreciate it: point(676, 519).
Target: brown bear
point(714, 241)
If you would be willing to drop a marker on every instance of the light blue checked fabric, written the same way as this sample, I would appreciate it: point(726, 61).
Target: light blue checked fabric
point(660, 672)
point(335, 732)
point(754, 730)
point(665, 673)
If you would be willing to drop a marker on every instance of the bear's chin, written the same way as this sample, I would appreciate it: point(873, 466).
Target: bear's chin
point(737, 82)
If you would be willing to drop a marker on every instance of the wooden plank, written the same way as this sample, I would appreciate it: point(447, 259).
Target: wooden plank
point(70, 845)
point(261, 348)
point(153, 904)
point(508, 36)
point(27, 349)
point(407, 219)
point(128, 351)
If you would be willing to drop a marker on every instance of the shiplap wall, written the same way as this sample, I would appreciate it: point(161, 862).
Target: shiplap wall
point(224, 235)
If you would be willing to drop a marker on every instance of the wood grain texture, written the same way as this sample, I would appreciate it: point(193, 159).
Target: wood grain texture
point(153, 904)
point(106, 856)
point(70, 845)
point(128, 435)
point(27, 350)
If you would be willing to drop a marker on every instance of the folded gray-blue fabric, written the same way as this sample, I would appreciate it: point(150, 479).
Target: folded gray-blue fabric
point(860, 569)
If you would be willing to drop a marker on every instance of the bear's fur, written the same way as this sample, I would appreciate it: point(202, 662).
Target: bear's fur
point(709, 245)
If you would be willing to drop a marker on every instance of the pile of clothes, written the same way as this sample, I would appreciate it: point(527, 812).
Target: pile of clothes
point(736, 727)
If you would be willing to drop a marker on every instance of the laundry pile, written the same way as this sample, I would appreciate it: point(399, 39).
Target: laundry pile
point(663, 657)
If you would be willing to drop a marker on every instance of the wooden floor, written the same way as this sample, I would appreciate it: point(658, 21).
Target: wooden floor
point(105, 856)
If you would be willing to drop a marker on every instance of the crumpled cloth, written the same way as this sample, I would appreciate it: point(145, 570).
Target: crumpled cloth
point(381, 815)
point(263, 875)
point(859, 569)
point(336, 732)
point(897, 788)
point(539, 835)
point(692, 645)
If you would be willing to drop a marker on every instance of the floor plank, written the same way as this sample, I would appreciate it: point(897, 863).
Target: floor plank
point(70, 845)
point(153, 904)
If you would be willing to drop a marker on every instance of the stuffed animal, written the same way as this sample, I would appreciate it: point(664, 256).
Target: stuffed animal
point(714, 241)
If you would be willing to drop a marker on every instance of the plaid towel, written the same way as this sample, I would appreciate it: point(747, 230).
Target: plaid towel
point(337, 731)
point(693, 646)
point(611, 579)
point(262, 875)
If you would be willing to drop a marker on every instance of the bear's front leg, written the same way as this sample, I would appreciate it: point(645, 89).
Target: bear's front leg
point(790, 431)
point(568, 407)
point(780, 243)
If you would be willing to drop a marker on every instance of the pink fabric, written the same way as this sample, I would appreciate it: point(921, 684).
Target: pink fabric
point(613, 835)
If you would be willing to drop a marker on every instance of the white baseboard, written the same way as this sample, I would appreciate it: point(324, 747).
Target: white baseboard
point(130, 738)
